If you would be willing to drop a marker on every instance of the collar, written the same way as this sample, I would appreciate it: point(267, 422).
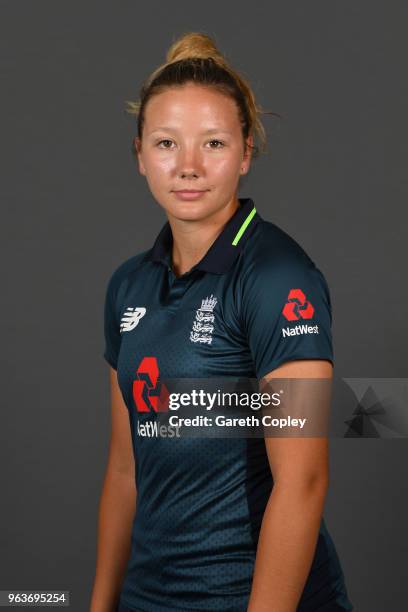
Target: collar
point(223, 251)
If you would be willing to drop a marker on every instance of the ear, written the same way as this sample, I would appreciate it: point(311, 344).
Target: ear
point(246, 161)
point(137, 150)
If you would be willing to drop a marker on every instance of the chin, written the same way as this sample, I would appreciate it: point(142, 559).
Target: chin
point(189, 211)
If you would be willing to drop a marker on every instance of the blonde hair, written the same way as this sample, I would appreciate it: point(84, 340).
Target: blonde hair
point(195, 57)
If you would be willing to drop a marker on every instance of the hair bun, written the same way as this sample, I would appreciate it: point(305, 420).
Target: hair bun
point(194, 45)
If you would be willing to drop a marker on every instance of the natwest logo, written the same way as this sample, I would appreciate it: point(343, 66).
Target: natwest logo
point(300, 329)
point(297, 306)
point(148, 394)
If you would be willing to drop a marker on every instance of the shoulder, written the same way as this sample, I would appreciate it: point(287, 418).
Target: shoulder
point(124, 272)
point(272, 250)
point(274, 264)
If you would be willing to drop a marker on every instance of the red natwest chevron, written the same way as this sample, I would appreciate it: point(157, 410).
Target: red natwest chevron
point(297, 305)
point(147, 393)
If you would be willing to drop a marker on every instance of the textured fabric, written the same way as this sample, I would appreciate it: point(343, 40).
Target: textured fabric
point(200, 501)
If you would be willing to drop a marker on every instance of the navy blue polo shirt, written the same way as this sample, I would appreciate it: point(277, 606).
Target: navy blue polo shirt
point(255, 301)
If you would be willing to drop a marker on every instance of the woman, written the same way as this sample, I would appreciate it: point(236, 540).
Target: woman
point(195, 523)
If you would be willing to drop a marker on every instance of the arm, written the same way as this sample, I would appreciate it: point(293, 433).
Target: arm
point(291, 521)
point(116, 508)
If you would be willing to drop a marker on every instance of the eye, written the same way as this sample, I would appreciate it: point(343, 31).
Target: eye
point(219, 142)
point(164, 140)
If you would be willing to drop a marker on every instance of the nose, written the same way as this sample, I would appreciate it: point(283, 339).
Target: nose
point(189, 163)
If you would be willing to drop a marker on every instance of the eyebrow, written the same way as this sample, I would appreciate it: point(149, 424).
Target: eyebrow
point(210, 131)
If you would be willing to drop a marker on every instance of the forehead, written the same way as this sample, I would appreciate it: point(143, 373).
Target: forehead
point(191, 104)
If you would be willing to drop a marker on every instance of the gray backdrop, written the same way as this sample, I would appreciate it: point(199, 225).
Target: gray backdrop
point(74, 207)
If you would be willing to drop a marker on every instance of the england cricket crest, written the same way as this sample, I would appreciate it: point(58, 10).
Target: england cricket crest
point(203, 324)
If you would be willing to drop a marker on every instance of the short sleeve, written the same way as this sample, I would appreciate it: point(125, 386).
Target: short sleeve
point(286, 313)
point(111, 325)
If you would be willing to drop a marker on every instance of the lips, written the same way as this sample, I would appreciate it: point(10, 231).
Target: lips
point(189, 194)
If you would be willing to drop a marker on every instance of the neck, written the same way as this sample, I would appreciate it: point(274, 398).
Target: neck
point(192, 239)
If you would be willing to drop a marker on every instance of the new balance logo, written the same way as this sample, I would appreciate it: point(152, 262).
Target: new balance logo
point(131, 318)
